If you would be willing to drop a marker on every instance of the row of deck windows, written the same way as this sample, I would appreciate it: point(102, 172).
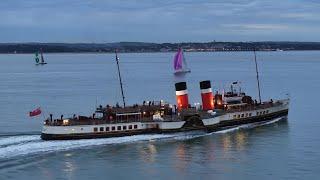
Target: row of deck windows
point(238, 116)
point(113, 128)
point(262, 113)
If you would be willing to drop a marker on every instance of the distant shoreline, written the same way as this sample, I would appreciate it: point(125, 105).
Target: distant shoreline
point(142, 47)
point(147, 52)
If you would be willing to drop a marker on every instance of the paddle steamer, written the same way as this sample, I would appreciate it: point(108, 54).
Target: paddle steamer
point(218, 111)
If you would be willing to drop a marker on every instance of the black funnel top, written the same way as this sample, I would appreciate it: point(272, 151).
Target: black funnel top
point(181, 86)
point(205, 84)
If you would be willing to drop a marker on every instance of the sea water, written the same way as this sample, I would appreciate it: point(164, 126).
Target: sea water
point(77, 83)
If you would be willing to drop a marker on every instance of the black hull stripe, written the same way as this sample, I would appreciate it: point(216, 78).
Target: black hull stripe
point(237, 122)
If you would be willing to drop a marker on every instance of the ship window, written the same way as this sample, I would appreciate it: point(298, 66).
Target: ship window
point(135, 126)
point(264, 112)
point(238, 115)
point(250, 114)
point(246, 114)
point(234, 116)
point(107, 129)
point(101, 129)
point(113, 128)
point(95, 129)
point(124, 127)
point(257, 113)
point(119, 128)
point(242, 115)
point(267, 111)
point(130, 126)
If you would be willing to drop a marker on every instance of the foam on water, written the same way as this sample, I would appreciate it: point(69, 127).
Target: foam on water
point(252, 125)
point(32, 144)
point(24, 146)
point(17, 139)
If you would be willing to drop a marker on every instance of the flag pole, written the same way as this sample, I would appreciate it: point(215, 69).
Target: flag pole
point(42, 113)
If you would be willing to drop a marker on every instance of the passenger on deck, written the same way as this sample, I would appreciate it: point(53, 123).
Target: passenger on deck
point(175, 109)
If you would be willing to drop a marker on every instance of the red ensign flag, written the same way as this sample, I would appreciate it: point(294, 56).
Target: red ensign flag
point(35, 112)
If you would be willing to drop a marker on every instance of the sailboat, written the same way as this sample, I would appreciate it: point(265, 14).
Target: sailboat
point(41, 60)
point(180, 63)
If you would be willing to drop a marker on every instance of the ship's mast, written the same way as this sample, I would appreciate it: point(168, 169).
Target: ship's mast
point(117, 60)
point(255, 60)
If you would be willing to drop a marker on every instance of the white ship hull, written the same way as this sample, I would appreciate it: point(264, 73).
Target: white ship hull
point(125, 129)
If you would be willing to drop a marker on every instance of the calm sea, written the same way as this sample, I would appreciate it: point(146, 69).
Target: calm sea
point(77, 83)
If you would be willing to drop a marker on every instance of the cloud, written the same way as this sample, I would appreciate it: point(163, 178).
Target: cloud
point(259, 27)
point(158, 20)
point(303, 15)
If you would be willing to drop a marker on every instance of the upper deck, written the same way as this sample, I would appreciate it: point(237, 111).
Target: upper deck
point(153, 112)
point(147, 112)
point(250, 107)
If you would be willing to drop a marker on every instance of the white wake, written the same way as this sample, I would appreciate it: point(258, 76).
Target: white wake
point(252, 125)
point(32, 144)
point(13, 146)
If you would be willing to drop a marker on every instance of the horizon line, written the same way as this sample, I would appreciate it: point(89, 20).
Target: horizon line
point(158, 42)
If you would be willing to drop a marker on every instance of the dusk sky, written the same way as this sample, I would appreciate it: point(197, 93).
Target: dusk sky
point(101, 21)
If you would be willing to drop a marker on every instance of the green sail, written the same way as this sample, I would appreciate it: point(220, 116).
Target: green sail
point(37, 57)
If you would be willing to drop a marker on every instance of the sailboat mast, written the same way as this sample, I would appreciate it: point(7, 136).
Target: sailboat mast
point(117, 60)
point(255, 60)
point(42, 60)
point(183, 59)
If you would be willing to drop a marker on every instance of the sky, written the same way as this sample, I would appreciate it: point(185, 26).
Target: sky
point(100, 21)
